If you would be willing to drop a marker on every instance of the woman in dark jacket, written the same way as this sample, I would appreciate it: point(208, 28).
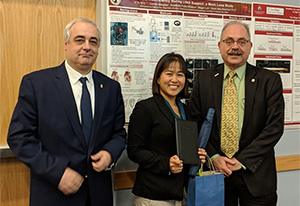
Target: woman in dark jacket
point(161, 175)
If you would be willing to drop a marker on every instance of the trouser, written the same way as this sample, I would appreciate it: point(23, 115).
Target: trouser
point(236, 191)
point(140, 201)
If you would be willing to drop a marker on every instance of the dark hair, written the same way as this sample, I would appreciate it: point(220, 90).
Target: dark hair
point(164, 63)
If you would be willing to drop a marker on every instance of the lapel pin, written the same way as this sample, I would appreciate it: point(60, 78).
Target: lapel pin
point(217, 74)
point(101, 86)
point(252, 80)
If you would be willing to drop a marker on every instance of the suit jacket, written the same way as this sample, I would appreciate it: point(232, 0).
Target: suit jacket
point(45, 133)
point(151, 143)
point(262, 125)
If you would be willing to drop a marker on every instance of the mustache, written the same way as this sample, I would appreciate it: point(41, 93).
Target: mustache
point(235, 52)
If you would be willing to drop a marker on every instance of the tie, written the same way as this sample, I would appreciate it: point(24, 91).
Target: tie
point(229, 125)
point(86, 110)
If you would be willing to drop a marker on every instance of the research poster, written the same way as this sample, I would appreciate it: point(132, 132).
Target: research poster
point(276, 47)
point(141, 31)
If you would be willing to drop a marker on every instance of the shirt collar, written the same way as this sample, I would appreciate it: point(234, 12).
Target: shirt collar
point(74, 75)
point(240, 72)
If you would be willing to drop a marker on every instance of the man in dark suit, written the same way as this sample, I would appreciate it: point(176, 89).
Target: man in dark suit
point(250, 173)
point(67, 165)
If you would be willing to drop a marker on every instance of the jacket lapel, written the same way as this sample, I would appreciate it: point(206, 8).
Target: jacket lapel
point(217, 85)
point(65, 91)
point(251, 83)
point(163, 107)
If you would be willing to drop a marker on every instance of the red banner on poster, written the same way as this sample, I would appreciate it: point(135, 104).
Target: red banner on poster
point(276, 11)
point(220, 7)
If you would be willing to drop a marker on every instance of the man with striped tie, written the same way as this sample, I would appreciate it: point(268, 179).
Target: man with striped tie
point(248, 122)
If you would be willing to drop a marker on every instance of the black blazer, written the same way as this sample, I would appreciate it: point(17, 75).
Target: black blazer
point(262, 125)
point(151, 143)
point(45, 133)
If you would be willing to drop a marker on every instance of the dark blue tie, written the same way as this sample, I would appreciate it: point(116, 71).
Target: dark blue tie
point(86, 110)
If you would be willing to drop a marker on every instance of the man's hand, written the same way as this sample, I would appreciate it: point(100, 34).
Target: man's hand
point(175, 164)
point(223, 165)
point(70, 182)
point(236, 166)
point(101, 160)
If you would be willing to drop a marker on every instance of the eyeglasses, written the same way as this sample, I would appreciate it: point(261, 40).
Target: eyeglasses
point(241, 42)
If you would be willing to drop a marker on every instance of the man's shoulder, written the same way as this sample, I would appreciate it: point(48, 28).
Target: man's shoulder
point(261, 71)
point(212, 71)
point(46, 72)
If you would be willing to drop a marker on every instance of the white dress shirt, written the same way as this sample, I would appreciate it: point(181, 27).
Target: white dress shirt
point(76, 86)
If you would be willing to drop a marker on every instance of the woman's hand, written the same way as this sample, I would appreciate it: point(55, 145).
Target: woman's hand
point(202, 155)
point(175, 164)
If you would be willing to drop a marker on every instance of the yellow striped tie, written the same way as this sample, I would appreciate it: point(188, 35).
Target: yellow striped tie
point(229, 125)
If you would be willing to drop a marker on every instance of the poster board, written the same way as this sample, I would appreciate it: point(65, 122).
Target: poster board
point(139, 32)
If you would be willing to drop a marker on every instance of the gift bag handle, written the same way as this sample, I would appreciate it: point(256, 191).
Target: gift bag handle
point(210, 166)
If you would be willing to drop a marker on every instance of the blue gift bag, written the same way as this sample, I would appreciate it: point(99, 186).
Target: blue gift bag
point(207, 190)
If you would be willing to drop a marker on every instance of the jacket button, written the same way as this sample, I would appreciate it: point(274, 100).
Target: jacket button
point(86, 176)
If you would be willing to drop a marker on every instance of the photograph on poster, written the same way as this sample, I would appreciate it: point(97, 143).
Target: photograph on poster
point(118, 33)
point(280, 66)
point(115, 76)
point(194, 66)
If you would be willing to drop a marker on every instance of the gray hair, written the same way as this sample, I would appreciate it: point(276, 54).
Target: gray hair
point(67, 31)
point(235, 22)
